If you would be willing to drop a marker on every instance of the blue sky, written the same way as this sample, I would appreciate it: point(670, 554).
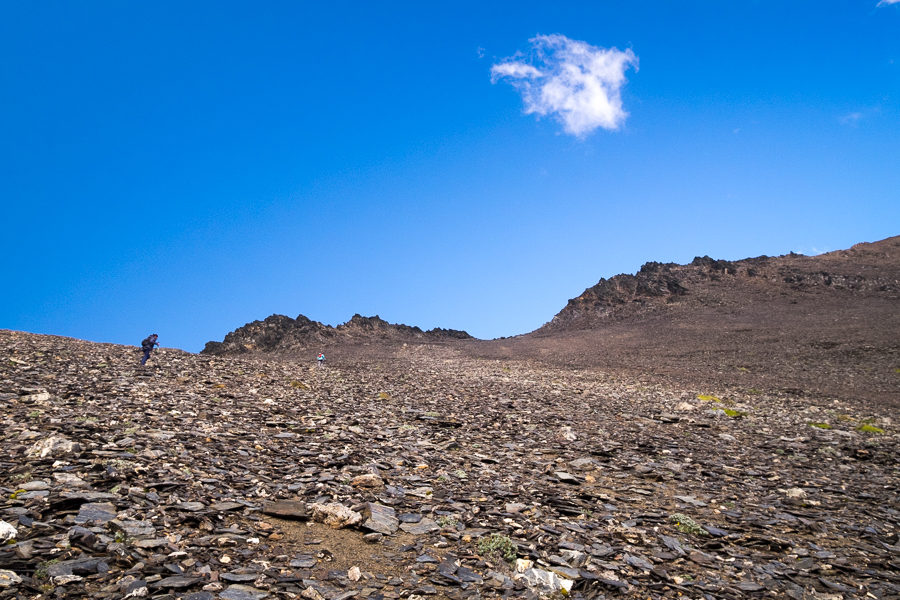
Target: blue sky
point(185, 168)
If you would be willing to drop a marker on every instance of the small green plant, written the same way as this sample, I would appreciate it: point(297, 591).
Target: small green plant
point(35, 413)
point(754, 392)
point(15, 494)
point(685, 524)
point(734, 414)
point(460, 474)
point(707, 398)
point(497, 545)
point(41, 571)
point(869, 428)
point(820, 425)
point(447, 521)
point(433, 414)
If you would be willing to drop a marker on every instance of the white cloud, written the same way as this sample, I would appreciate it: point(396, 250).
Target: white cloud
point(852, 118)
point(886, 2)
point(514, 69)
point(578, 84)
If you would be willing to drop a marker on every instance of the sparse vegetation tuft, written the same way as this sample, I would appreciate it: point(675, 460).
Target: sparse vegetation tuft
point(497, 545)
point(685, 524)
point(447, 521)
point(41, 571)
point(869, 428)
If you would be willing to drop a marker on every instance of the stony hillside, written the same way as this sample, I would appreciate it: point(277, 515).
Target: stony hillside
point(432, 475)
point(281, 334)
point(826, 325)
point(868, 270)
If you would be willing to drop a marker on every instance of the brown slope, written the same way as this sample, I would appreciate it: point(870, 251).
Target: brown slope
point(826, 324)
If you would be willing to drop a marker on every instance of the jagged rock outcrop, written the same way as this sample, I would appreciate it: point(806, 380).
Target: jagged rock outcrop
point(280, 333)
point(864, 269)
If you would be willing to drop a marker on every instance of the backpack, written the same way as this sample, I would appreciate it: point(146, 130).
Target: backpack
point(147, 344)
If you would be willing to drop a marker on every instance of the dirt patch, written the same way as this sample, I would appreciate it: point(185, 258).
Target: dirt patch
point(342, 549)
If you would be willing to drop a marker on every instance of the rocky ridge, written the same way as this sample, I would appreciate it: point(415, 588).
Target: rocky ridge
point(432, 475)
point(279, 333)
point(866, 269)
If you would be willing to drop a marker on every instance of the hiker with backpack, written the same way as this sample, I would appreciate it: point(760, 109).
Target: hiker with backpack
point(320, 360)
point(147, 346)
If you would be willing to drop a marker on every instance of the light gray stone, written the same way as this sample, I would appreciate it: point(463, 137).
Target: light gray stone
point(7, 531)
point(334, 515)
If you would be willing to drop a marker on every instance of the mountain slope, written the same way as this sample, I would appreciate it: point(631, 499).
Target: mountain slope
point(865, 271)
point(827, 324)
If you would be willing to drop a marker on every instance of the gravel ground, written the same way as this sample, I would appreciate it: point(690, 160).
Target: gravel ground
point(455, 477)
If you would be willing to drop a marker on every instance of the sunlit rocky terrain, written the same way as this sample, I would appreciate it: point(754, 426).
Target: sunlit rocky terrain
point(595, 458)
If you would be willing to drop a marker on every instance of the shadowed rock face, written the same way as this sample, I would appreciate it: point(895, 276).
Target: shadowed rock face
point(279, 333)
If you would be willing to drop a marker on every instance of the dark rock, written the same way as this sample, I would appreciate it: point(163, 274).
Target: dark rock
point(78, 566)
point(287, 509)
point(380, 519)
point(423, 527)
point(242, 592)
point(176, 582)
point(96, 513)
point(303, 561)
